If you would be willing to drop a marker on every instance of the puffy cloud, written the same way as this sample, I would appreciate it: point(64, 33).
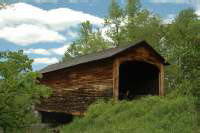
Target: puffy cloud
point(56, 19)
point(37, 51)
point(28, 34)
point(61, 50)
point(40, 51)
point(25, 24)
point(47, 61)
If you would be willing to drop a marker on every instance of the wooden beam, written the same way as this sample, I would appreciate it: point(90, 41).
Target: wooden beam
point(161, 80)
point(69, 113)
point(116, 79)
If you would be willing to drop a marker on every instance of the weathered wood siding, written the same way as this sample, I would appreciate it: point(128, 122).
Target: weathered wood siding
point(77, 87)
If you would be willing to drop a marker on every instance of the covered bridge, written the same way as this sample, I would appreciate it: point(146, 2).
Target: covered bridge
point(122, 73)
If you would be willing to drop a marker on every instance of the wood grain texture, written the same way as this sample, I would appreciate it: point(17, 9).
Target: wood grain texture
point(76, 88)
point(161, 81)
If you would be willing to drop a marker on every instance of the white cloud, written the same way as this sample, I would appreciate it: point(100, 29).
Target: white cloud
point(56, 19)
point(169, 18)
point(198, 12)
point(40, 51)
point(28, 34)
point(45, 60)
point(72, 34)
point(37, 51)
point(61, 50)
point(30, 24)
point(63, 17)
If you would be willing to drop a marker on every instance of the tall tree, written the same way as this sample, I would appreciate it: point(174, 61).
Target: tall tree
point(19, 91)
point(132, 7)
point(88, 42)
point(144, 26)
point(114, 23)
point(140, 24)
point(182, 46)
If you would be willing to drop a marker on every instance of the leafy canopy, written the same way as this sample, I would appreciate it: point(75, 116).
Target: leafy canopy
point(88, 42)
point(19, 91)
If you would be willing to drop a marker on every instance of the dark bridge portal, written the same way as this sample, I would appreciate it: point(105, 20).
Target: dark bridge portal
point(136, 79)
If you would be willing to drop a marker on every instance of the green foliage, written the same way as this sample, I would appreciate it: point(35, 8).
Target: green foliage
point(132, 24)
point(144, 26)
point(114, 24)
point(19, 91)
point(33, 130)
point(181, 47)
point(150, 114)
point(115, 11)
point(122, 26)
point(88, 42)
point(132, 7)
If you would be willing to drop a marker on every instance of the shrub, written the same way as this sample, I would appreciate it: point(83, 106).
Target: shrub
point(150, 114)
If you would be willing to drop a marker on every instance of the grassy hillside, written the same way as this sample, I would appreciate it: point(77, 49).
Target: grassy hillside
point(151, 114)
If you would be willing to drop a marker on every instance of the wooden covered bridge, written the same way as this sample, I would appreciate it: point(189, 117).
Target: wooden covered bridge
point(122, 73)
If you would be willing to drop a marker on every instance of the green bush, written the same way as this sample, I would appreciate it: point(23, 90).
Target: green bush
point(151, 114)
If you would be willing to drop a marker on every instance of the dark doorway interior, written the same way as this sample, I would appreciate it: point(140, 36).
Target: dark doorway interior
point(136, 79)
point(56, 118)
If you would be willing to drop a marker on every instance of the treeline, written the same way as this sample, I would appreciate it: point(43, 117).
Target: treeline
point(178, 41)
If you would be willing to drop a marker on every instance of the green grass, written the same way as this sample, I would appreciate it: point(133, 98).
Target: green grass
point(35, 128)
point(151, 114)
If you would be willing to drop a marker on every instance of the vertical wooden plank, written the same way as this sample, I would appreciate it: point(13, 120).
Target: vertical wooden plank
point(116, 79)
point(161, 80)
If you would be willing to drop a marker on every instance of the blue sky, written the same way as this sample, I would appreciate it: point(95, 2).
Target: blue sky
point(45, 28)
